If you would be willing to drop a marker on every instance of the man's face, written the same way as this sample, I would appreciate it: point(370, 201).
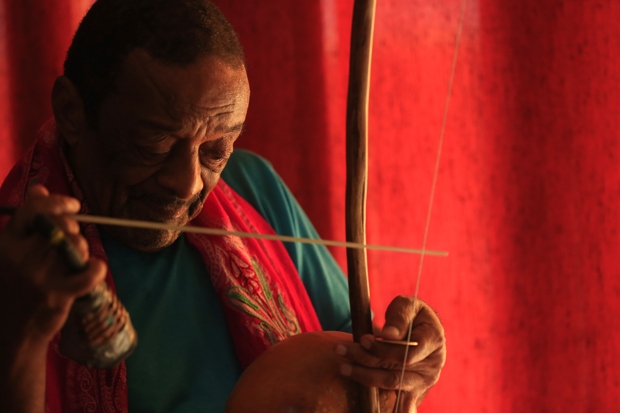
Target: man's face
point(162, 140)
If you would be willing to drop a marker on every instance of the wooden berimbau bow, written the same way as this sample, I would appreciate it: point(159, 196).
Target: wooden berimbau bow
point(357, 160)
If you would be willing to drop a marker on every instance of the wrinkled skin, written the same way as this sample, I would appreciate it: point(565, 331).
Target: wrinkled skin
point(160, 143)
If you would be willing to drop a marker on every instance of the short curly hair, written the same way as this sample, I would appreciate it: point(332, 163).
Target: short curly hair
point(172, 31)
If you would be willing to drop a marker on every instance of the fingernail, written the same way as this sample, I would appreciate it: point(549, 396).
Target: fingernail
point(366, 343)
point(346, 369)
point(74, 204)
point(390, 332)
point(341, 350)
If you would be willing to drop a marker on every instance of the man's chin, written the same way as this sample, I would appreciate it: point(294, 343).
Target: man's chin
point(146, 240)
point(151, 240)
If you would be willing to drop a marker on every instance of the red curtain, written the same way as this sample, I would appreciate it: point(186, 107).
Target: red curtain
point(527, 195)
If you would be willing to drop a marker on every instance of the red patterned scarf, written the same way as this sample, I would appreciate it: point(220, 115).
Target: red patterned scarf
point(256, 281)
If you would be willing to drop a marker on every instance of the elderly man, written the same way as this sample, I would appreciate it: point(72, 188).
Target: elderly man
point(154, 96)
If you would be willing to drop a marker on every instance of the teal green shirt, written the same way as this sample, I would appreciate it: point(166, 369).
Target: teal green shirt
point(185, 360)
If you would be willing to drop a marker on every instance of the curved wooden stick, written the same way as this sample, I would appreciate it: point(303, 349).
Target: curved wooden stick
point(357, 157)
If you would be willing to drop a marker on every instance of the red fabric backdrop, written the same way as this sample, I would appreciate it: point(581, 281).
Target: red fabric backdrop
point(527, 197)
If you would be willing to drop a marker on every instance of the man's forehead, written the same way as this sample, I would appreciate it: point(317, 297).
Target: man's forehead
point(209, 77)
point(224, 126)
point(209, 87)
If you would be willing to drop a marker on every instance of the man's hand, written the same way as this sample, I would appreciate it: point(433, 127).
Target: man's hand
point(377, 364)
point(37, 290)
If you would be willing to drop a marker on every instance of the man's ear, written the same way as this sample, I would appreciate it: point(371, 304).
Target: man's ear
point(68, 109)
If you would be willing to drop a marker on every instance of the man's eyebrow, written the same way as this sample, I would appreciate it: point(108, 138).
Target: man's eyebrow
point(239, 127)
point(160, 126)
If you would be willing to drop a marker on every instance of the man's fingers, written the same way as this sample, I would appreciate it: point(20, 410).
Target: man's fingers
point(53, 206)
point(426, 329)
point(40, 251)
point(37, 190)
point(376, 354)
point(401, 311)
point(406, 401)
point(49, 271)
point(42, 215)
point(395, 353)
point(385, 379)
point(398, 317)
point(83, 282)
point(68, 225)
point(79, 245)
point(377, 363)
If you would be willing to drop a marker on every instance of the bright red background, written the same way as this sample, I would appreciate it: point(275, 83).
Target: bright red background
point(528, 192)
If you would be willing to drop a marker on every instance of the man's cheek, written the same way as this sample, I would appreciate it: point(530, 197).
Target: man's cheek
point(131, 176)
point(210, 180)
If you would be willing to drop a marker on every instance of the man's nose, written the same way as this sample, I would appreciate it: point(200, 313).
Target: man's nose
point(181, 173)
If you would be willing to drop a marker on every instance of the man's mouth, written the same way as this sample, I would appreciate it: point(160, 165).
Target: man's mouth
point(164, 213)
point(164, 209)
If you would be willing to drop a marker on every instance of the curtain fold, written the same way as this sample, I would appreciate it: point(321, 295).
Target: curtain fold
point(527, 196)
point(35, 35)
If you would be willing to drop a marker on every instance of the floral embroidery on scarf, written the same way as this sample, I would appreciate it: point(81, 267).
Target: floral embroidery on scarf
point(273, 317)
